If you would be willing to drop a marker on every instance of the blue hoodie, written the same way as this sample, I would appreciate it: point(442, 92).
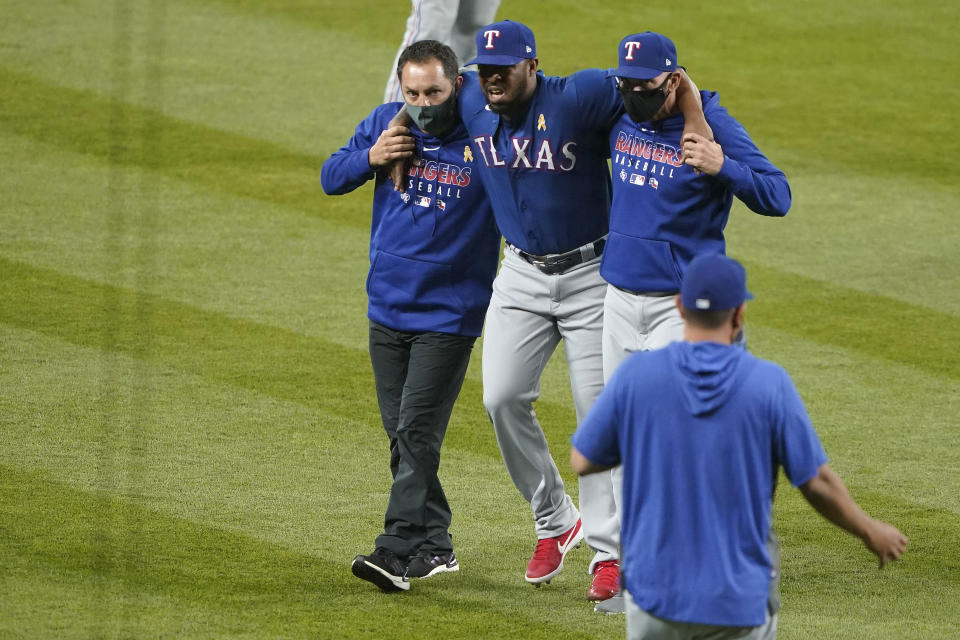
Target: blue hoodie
point(701, 430)
point(433, 249)
point(663, 214)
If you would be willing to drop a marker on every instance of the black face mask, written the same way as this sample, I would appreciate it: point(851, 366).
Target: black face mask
point(435, 119)
point(643, 105)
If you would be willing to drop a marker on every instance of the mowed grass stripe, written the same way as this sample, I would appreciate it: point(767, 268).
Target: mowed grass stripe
point(241, 584)
point(130, 136)
point(875, 325)
point(59, 530)
point(285, 364)
point(280, 363)
point(81, 121)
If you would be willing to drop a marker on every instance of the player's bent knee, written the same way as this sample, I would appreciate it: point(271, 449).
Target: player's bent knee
point(497, 401)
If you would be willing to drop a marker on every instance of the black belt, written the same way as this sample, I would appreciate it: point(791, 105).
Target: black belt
point(557, 263)
point(651, 294)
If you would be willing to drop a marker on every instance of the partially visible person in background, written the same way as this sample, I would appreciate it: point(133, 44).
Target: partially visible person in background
point(452, 22)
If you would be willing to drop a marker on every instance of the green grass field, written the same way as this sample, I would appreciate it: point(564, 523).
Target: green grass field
point(189, 439)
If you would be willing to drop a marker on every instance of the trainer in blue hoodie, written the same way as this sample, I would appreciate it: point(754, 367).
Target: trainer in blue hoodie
point(433, 257)
point(671, 196)
point(701, 428)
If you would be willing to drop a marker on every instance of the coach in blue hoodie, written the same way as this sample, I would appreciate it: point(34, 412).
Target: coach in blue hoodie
point(671, 196)
point(701, 428)
point(433, 257)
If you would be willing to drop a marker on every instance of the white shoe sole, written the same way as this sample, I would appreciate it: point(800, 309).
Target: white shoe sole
point(442, 569)
point(610, 605)
point(372, 573)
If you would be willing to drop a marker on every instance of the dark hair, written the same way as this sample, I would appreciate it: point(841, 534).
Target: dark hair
point(426, 50)
point(707, 319)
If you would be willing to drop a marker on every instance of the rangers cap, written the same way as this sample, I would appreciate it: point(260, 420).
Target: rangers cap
point(645, 55)
point(714, 282)
point(504, 43)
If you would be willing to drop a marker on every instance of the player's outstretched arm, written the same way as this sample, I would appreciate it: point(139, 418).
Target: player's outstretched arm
point(690, 104)
point(829, 496)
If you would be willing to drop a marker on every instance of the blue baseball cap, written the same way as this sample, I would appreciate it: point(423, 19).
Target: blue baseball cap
point(645, 55)
point(504, 44)
point(714, 282)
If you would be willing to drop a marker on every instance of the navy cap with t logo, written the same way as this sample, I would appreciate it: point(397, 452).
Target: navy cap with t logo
point(504, 43)
point(714, 282)
point(645, 55)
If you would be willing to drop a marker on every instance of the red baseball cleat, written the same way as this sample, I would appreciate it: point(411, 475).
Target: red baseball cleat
point(606, 581)
point(547, 560)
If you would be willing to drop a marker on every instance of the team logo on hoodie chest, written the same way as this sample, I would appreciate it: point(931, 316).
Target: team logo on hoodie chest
point(443, 180)
point(650, 159)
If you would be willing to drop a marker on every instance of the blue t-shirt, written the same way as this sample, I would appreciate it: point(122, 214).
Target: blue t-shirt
point(545, 170)
point(701, 430)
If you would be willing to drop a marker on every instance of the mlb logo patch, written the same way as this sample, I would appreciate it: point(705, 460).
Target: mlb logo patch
point(637, 179)
point(422, 201)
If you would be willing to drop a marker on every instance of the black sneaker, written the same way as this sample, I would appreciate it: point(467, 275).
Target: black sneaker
point(383, 568)
point(428, 564)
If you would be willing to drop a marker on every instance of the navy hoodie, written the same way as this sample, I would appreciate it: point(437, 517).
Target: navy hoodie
point(433, 249)
point(663, 213)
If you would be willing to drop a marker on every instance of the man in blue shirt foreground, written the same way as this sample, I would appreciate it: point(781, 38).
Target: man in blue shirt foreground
point(701, 428)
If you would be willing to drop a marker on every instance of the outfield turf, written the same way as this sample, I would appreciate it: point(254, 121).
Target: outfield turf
point(189, 439)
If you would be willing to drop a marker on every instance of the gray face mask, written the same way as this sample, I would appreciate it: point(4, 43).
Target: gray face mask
point(436, 118)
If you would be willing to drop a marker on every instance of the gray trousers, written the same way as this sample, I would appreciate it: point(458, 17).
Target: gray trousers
point(418, 377)
point(630, 323)
point(643, 626)
point(452, 22)
point(529, 314)
point(636, 323)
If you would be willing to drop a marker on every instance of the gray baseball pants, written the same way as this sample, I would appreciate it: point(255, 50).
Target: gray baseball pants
point(630, 323)
point(643, 626)
point(529, 314)
point(453, 22)
point(633, 322)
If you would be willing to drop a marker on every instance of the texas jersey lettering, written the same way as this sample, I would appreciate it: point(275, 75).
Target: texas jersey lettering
point(523, 155)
